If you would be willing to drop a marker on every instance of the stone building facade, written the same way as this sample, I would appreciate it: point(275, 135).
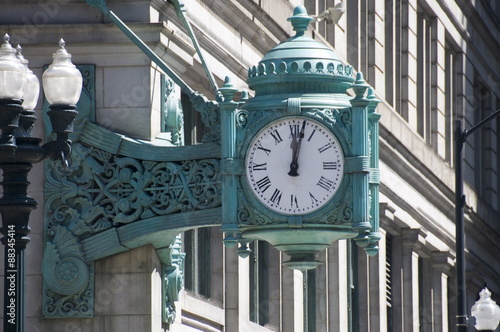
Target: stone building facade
point(429, 61)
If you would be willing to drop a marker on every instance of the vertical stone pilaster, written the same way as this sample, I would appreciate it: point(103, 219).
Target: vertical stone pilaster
point(332, 305)
point(127, 291)
point(217, 265)
point(231, 288)
point(274, 286)
point(298, 300)
point(438, 84)
point(377, 288)
point(465, 90)
point(340, 37)
point(363, 285)
point(353, 33)
point(465, 103)
point(243, 289)
point(322, 291)
point(412, 242)
point(409, 62)
point(376, 44)
point(442, 263)
point(287, 297)
point(426, 293)
point(292, 299)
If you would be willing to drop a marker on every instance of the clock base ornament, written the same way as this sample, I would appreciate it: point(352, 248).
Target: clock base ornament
point(301, 244)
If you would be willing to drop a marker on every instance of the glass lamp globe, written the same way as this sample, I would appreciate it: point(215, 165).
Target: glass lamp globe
point(12, 72)
point(486, 311)
point(62, 82)
point(32, 87)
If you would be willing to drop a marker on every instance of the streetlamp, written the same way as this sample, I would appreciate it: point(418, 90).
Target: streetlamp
point(19, 89)
point(460, 139)
point(486, 311)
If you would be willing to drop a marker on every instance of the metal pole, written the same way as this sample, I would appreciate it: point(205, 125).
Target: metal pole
point(14, 282)
point(460, 138)
point(15, 208)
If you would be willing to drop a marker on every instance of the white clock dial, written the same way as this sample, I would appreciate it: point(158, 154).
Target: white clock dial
point(294, 166)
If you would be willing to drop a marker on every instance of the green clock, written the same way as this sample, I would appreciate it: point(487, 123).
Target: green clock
point(294, 165)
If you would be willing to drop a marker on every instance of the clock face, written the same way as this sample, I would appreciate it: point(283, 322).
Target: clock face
point(294, 166)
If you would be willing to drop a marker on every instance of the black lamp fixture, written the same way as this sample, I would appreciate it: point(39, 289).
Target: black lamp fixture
point(19, 90)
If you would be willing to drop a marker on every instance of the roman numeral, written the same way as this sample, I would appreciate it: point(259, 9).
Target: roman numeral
point(324, 147)
point(310, 136)
point(313, 199)
point(259, 167)
point(267, 151)
point(276, 136)
point(329, 165)
point(293, 202)
point(325, 183)
point(264, 184)
point(294, 131)
point(276, 197)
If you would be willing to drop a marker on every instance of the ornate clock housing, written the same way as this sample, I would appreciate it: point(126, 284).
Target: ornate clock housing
point(294, 165)
point(294, 183)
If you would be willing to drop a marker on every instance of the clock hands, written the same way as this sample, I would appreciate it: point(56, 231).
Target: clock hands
point(295, 146)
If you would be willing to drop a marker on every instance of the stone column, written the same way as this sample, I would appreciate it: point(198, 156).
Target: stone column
point(322, 291)
point(442, 264)
point(128, 292)
point(376, 44)
point(412, 241)
point(372, 285)
point(438, 79)
point(274, 270)
point(292, 299)
point(338, 286)
point(231, 288)
point(377, 290)
point(408, 53)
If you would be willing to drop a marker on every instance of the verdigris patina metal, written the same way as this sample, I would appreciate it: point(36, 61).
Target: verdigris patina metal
point(303, 79)
point(120, 193)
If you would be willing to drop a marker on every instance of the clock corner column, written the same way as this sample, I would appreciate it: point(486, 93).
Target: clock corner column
point(360, 150)
point(229, 163)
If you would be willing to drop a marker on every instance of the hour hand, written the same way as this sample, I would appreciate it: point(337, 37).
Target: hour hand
point(294, 166)
point(295, 146)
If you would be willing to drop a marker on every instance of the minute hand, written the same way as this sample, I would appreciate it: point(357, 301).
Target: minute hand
point(295, 145)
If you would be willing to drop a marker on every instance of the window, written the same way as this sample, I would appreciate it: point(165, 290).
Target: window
point(197, 246)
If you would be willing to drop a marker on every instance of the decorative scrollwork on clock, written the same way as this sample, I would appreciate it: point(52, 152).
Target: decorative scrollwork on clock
point(209, 111)
point(339, 118)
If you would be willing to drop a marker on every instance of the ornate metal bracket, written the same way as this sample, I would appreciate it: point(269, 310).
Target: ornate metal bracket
point(118, 194)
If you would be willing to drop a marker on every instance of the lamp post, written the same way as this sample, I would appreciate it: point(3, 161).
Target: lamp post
point(19, 89)
point(460, 139)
